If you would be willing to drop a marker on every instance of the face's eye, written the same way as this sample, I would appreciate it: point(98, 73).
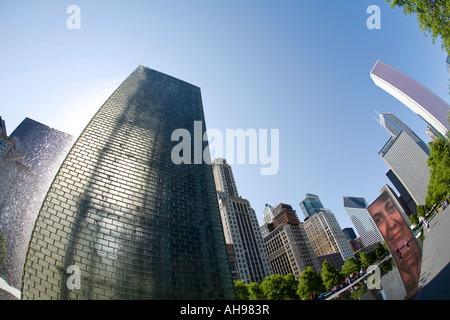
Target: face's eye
point(378, 218)
point(390, 207)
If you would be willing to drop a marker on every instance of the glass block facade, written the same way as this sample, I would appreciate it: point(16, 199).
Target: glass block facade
point(136, 225)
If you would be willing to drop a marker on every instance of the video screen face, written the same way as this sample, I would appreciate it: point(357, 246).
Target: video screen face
point(399, 239)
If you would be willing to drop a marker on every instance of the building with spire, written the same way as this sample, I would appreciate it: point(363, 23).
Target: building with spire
point(240, 226)
point(406, 155)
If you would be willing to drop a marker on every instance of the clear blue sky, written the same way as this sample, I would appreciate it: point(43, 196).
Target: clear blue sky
point(298, 66)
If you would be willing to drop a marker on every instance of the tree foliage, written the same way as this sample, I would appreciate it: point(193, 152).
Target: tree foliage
point(413, 219)
point(241, 290)
point(330, 275)
point(350, 266)
point(433, 17)
point(310, 283)
point(278, 287)
point(439, 162)
point(256, 292)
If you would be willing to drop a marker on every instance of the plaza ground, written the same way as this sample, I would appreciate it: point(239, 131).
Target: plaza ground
point(434, 283)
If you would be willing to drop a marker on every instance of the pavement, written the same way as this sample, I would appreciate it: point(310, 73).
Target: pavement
point(434, 281)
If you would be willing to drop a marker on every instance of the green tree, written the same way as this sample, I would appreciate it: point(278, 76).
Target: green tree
point(367, 258)
point(256, 291)
point(413, 219)
point(380, 251)
point(278, 287)
point(350, 266)
point(330, 276)
point(3, 258)
point(241, 290)
point(433, 17)
point(421, 211)
point(439, 162)
point(310, 283)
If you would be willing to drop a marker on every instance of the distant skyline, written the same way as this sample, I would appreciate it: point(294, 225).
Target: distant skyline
point(298, 66)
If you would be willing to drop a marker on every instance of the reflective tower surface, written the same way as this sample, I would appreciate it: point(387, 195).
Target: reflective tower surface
point(356, 208)
point(121, 220)
point(406, 154)
point(415, 96)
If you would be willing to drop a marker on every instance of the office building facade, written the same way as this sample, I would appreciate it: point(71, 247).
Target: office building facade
point(415, 96)
point(287, 244)
point(349, 233)
point(132, 222)
point(406, 155)
point(311, 205)
point(356, 208)
point(240, 226)
point(326, 236)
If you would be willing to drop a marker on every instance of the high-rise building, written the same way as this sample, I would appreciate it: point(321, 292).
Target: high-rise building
point(287, 244)
point(349, 233)
point(311, 205)
point(326, 236)
point(240, 226)
point(267, 217)
point(356, 208)
point(267, 213)
point(415, 96)
point(405, 198)
point(27, 172)
point(122, 220)
point(406, 155)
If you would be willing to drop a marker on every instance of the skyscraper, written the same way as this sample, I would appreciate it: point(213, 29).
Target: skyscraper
point(405, 199)
point(287, 244)
point(326, 236)
point(349, 233)
point(132, 222)
point(356, 208)
point(311, 205)
point(406, 155)
point(415, 96)
point(240, 226)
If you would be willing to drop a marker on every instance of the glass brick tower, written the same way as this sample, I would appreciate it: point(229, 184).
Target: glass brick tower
point(135, 225)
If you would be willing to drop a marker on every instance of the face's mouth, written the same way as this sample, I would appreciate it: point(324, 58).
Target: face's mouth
point(396, 237)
